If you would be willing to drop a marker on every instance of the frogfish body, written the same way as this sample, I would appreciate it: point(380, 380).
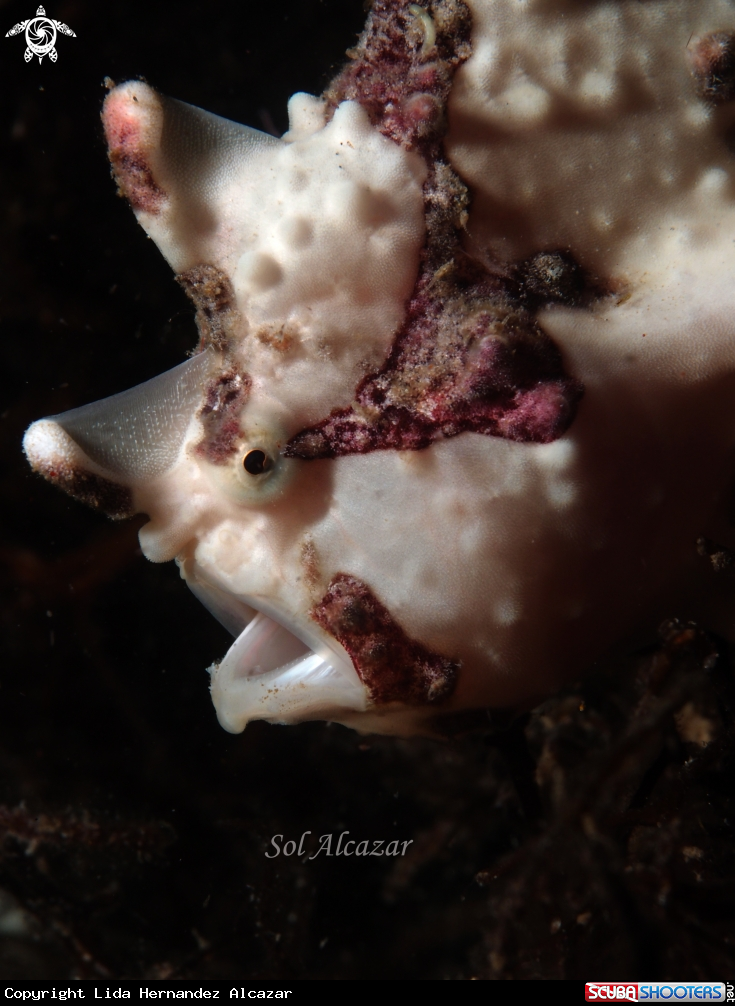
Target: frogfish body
point(463, 400)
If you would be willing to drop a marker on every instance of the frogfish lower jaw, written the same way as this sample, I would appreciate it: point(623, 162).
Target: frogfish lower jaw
point(270, 674)
point(285, 668)
point(276, 669)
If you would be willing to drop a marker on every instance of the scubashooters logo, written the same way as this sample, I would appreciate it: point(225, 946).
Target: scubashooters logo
point(655, 991)
point(144, 992)
point(40, 35)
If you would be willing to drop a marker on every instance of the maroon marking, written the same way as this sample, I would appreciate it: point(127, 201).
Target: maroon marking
point(220, 415)
point(135, 181)
point(213, 295)
point(469, 356)
point(713, 63)
point(404, 91)
point(393, 667)
point(465, 361)
point(128, 157)
point(94, 490)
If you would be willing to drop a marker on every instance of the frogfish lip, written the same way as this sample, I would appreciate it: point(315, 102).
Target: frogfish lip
point(278, 669)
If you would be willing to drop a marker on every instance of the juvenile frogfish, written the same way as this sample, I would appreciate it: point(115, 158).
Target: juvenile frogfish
point(463, 401)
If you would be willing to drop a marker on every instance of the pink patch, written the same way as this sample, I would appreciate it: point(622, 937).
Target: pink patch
point(122, 118)
point(225, 399)
point(461, 364)
point(420, 109)
point(404, 96)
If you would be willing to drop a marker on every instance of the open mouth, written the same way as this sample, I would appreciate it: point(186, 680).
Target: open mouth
point(284, 675)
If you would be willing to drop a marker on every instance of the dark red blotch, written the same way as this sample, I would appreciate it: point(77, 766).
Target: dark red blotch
point(392, 666)
point(404, 90)
point(220, 415)
point(463, 362)
point(97, 492)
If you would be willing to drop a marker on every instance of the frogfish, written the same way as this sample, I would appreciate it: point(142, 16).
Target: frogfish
point(462, 409)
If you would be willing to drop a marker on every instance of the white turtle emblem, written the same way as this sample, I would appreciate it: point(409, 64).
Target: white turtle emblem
point(40, 35)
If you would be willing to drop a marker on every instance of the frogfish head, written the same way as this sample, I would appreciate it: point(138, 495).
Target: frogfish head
point(433, 455)
point(299, 255)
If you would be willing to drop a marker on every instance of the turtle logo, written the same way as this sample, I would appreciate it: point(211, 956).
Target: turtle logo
point(40, 35)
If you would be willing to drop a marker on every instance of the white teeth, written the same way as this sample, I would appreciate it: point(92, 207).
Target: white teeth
point(262, 646)
point(270, 674)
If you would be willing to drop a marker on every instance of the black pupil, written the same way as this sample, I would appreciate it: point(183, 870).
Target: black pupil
point(255, 462)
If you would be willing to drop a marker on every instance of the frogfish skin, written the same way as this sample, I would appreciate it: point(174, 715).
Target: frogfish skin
point(463, 402)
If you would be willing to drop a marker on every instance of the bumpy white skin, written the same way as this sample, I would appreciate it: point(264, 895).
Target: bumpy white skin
point(319, 233)
point(577, 126)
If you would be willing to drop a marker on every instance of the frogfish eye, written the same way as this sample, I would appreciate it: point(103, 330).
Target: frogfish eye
point(256, 462)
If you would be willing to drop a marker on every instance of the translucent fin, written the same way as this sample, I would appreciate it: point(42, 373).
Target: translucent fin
point(181, 168)
point(138, 434)
point(198, 149)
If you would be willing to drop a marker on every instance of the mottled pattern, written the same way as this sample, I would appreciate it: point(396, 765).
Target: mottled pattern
point(464, 362)
point(393, 667)
point(401, 83)
point(468, 358)
point(211, 291)
point(220, 415)
point(555, 277)
point(130, 162)
point(468, 331)
point(713, 62)
point(617, 859)
point(100, 493)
